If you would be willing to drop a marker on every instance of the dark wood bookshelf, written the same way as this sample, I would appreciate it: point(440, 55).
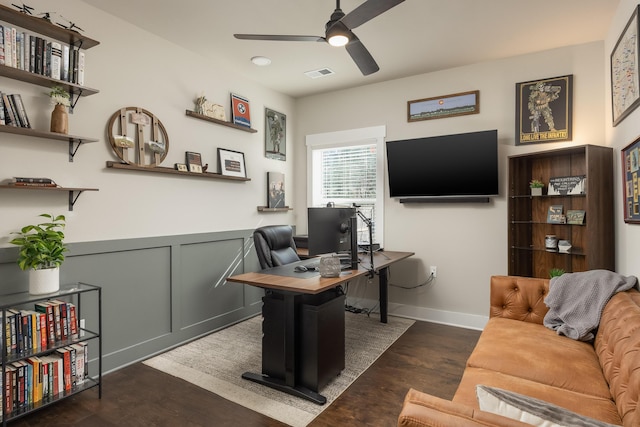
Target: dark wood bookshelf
point(592, 242)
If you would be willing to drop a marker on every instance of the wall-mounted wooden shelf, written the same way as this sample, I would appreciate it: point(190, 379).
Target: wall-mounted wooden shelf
point(266, 209)
point(74, 192)
point(40, 25)
point(171, 171)
point(73, 140)
point(48, 82)
point(219, 122)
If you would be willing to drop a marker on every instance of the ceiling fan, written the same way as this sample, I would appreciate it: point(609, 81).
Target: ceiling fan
point(338, 32)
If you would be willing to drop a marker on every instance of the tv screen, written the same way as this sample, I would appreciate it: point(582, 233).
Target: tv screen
point(461, 165)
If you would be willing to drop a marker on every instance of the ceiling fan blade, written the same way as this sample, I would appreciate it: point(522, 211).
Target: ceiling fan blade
point(361, 56)
point(284, 38)
point(367, 11)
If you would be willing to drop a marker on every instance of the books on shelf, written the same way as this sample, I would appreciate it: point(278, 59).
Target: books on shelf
point(30, 182)
point(12, 111)
point(41, 374)
point(39, 55)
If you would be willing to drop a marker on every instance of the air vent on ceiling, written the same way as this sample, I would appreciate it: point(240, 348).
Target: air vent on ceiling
point(322, 72)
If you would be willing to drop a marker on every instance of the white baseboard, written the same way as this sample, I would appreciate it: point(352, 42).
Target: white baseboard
point(463, 320)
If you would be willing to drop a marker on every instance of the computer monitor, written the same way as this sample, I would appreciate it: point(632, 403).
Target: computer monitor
point(329, 231)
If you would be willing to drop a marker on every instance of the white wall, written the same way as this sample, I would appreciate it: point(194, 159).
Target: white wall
point(467, 242)
point(133, 68)
point(627, 131)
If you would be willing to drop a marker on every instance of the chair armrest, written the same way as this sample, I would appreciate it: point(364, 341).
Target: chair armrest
point(519, 298)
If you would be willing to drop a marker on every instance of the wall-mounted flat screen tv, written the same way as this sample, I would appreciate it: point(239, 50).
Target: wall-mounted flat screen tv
point(457, 166)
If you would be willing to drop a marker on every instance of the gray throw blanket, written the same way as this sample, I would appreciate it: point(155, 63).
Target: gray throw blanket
point(576, 301)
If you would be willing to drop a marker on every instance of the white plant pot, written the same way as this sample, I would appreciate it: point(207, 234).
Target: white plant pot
point(44, 281)
point(536, 191)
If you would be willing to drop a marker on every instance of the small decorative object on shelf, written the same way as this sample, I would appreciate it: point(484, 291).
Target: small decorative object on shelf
point(59, 115)
point(231, 163)
point(564, 246)
point(555, 216)
point(536, 187)
point(181, 167)
point(132, 130)
point(240, 110)
point(568, 185)
point(275, 190)
point(551, 242)
point(575, 216)
point(194, 161)
point(41, 253)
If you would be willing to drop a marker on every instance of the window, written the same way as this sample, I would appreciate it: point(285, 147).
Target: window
point(347, 168)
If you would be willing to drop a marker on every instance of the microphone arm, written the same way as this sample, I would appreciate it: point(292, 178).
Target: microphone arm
point(369, 225)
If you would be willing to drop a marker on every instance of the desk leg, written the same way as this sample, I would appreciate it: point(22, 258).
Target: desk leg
point(384, 293)
point(288, 384)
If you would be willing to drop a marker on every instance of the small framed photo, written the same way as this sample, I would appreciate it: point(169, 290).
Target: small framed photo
point(630, 161)
point(544, 110)
point(275, 135)
point(575, 216)
point(555, 216)
point(181, 167)
point(458, 104)
point(240, 112)
point(231, 163)
point(194, 161)
point(275, 190)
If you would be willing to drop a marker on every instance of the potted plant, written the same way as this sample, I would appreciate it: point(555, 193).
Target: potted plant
point(555, 272)
point(59, 116)
point(41, 253)
point(536, 187)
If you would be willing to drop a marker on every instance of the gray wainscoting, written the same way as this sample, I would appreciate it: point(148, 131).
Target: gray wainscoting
point(157, 292)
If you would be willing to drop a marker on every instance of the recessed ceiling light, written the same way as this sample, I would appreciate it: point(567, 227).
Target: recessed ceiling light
point(261, 60)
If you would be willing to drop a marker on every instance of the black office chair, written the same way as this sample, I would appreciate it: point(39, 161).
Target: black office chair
point(275, 246)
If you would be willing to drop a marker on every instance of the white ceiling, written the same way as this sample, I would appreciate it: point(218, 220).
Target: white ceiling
point(415, 37)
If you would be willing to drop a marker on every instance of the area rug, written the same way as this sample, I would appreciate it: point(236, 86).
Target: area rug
point(217, 361)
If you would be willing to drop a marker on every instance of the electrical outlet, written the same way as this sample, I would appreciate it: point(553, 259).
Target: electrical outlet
point(434, 271)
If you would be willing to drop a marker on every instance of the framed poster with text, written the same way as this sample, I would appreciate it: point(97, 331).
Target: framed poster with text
point(544, 110)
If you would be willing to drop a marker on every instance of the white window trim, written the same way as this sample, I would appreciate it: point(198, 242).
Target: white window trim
point(362, 136)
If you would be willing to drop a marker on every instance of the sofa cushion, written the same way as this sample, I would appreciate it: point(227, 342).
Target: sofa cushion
point(530, 410)
point(590, 406)
point(533, 352)
point(617, 344)
point(421, 410)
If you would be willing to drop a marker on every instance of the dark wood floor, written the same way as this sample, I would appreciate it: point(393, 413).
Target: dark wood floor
point(428, 357)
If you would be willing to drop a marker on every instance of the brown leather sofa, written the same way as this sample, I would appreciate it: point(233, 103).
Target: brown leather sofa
point(516, 352)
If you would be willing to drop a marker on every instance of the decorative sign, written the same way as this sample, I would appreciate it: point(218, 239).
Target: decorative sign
point(567, 185)
point(544, 110)
point(630, 169)
point(194, 161)
point(138, 137)
point(575, 216)
point(240, 110)
point(555, 216)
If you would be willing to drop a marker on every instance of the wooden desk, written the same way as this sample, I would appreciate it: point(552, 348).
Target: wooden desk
point(290, 286)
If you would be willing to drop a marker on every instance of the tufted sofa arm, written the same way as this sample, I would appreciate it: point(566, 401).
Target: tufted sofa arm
point(519, 298)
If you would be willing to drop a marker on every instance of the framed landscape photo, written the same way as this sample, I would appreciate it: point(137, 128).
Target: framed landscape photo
point(625, 82)
point(240, 112)
point(458, 104)
point(275, 135)
point(544, 110)
point(630, 167)
point(231, 163)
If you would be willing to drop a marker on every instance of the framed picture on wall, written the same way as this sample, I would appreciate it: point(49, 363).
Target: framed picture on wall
point(544, 110)
point(625, 83)
point(240, 112)
point(457, 104)
point(275, 135)
point(630, 166)
point(231, 163)
point(275, 190)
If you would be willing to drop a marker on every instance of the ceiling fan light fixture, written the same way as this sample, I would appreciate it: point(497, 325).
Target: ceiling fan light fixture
point(261, 61)
point(338, 35)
